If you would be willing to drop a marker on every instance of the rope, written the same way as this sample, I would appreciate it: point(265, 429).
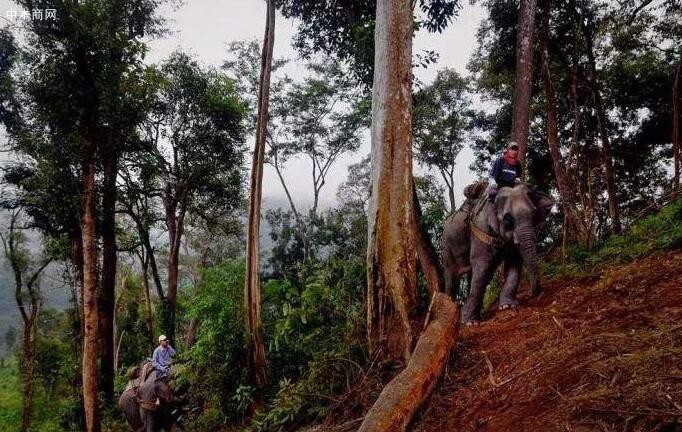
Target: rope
point(485, 237)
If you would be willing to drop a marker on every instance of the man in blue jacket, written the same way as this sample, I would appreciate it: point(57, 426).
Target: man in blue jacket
point(163, 354)
point(506, 170)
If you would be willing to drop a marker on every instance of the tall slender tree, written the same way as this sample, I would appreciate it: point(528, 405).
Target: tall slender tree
point(252, 289)
point(391, 254)
point(524, 76)
point(26, 272)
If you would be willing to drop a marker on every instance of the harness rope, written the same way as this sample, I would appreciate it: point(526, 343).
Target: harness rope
point(490, 240)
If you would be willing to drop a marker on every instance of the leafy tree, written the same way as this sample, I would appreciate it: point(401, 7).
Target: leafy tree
point(444, 120)
point(194, 138)
point(26, 271)
point(345, 29)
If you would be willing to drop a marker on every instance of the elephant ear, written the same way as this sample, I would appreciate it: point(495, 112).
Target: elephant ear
point(543, 204)
point(492, 209)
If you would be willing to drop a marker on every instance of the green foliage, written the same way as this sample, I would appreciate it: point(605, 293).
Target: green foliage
point(315, 334)
point(46, 410)
point(659, 231)
point(345, 29)
point(215, 366)
point(132, 330)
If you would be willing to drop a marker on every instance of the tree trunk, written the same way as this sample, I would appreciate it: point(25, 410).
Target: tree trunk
point(428, 257)
point(90, 312)
point(524, 76)
point(106, 300)
point(391, 255)
point(606, 153)
point(563, 184)
point(401, 398)
point(28, 372)
point(147, 297)
point(175, 219)
point(676, 130)
point(252, 293)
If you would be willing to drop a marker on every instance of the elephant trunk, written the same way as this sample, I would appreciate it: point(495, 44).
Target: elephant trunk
point(526, 237)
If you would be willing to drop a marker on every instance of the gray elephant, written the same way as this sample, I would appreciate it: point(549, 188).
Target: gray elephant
point(148, 406)
point(484, 233)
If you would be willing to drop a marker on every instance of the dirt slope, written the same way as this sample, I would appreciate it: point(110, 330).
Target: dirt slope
point(600, 353)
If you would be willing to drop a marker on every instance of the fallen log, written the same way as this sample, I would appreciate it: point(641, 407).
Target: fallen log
point(403, 395)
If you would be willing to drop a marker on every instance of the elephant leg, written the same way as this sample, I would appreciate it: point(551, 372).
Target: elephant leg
point(512, 276)
point(481, 276)
point(451, 279)
point(147, 420)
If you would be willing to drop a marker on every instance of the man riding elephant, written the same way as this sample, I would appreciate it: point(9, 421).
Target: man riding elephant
point(506, 170)
point(500, 226)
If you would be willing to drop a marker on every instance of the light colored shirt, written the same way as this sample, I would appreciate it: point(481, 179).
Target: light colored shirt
point(161, 359)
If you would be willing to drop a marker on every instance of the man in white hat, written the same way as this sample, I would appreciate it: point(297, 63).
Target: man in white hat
point(163, 354)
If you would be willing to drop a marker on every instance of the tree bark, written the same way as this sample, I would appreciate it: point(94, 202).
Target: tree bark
point(176, 208)
point(147, 296)
point(108, 230)
point(401, 398)
point(90, 312)
point(606, 153)
point(391, 255)
point(524, 76)
point(428, 257)
point(252, 293)
point(563, 184)
point(676, 130)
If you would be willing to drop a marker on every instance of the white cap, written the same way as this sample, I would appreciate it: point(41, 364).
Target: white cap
point(162, 338)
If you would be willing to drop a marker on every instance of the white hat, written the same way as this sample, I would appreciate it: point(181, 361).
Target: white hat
point(162, 338)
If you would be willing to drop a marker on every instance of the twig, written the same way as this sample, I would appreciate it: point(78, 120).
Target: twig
point(508, 380)
point(491, 372)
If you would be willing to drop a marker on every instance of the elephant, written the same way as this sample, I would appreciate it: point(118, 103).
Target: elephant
point(149, 407)
point(486, 232)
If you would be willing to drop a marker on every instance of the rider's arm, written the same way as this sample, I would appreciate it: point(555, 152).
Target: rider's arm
point(171, 351)
point(495, 172)
point(155, 360)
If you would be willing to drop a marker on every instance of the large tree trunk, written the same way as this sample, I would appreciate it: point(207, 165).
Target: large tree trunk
point(676, 129)
point(90, 312)
point(563, 183)
point(401, 398)
point(252, 293)
point(106, 300)
point(606, 153)
point(391, 255)
point(524, 76)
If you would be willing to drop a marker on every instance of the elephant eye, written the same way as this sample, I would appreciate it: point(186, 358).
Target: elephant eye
point(508, 221)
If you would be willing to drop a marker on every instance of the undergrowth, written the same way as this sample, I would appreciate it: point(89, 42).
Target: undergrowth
point(657, 232)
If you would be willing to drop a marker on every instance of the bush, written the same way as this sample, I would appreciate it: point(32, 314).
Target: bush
point(660, 231)
point(215, 366)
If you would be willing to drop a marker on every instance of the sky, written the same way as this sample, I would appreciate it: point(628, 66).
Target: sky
point(204, 27)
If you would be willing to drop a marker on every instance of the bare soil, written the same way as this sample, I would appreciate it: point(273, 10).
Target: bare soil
point(596, 353)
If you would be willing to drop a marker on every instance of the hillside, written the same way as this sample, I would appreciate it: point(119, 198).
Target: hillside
point(593, 353)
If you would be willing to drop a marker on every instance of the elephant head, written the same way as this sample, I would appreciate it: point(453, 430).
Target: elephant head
point(518, 214)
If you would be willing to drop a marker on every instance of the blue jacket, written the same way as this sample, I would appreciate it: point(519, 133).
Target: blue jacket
point(161, 359)
point(504, 173)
